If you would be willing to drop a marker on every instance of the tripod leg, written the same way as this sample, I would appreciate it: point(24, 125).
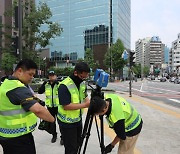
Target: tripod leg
point(88, 134)
point(85, 129)
point(102, 135)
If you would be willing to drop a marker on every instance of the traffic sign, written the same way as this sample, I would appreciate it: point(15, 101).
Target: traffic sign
point(125, 55)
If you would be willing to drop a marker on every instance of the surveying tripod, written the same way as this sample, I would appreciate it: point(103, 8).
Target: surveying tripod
point(88, 124)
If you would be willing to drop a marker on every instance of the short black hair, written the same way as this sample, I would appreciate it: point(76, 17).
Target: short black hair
point(26, 64)
point(82, 67)
point(97, 104)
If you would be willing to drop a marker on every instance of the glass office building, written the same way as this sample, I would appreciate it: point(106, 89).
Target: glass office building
point(81, 18)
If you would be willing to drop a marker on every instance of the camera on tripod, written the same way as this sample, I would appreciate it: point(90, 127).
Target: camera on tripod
point(100, 80)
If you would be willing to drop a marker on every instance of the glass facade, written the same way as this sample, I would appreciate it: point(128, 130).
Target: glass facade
point(82, 18)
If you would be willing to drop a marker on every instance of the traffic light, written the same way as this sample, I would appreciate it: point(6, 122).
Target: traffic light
point(15, 41)
point(131, 58)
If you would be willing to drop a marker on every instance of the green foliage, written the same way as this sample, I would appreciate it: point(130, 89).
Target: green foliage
point(137, 69)
point(32, 22)
point(146, 70)
point(89, 59)
point(32, 36)
point(62, 71)
point(114, 55)
point(8, 61)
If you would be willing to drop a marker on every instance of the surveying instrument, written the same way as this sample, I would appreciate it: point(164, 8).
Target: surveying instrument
point(100, 80)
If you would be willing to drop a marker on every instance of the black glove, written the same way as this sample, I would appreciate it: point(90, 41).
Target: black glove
point(109, 148)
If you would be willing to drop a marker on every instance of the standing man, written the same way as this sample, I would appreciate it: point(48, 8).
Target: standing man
point(18, 110)
point(73, 98)
point(122, 118)
point(50, 88)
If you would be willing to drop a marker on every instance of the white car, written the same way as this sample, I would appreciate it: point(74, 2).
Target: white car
point(172, 79)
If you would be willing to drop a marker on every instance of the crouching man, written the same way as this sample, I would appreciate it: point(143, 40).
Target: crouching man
point(122, 117)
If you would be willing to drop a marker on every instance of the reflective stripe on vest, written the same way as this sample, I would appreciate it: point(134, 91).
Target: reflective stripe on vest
point(14, 120)
point(12, 112)
point(52, 99)
point(121, 109)
point(18, 130)
point(77, 96)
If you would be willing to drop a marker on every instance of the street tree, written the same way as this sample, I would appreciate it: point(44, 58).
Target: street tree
point(146, 70)
point(137, 69)
point(7, 63)
point(32, 35)
point(113, 58)
point(89, 58)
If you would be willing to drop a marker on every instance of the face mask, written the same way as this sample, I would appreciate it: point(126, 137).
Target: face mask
point(77, 79)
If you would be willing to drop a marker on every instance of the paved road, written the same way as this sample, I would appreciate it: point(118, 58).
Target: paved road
point(160, 133)
point(166, 92)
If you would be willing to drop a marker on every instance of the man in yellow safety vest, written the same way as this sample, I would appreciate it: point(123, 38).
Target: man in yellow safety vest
point(122, 117)
point(50, 88)
point(73, 98)
point(19, 110)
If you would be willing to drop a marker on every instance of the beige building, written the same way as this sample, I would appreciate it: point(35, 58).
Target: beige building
point(174, 56)
point(140, 50)
point(154, 53)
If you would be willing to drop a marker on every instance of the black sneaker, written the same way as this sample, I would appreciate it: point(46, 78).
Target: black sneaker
point(54, 138)
point(61, 142)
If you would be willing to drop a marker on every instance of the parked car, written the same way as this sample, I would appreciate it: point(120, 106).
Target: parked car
point(159, 77)
point(152, 77)
point(163, 79)
point(172, 79)
point(177, 80)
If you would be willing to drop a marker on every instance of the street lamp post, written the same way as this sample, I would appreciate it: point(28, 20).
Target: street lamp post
point(20, 28)
point(110, 36)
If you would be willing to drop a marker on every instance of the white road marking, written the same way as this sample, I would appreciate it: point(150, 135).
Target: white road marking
point(141, 87)
point(175, 100)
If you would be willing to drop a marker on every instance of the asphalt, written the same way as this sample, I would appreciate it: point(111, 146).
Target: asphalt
point(160, 133)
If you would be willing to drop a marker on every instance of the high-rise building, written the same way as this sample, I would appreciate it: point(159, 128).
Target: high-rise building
point(166, 55)
point(89, 22)
point(140, 50)
point(154, 53)
point(95, 36)
point(174, 57)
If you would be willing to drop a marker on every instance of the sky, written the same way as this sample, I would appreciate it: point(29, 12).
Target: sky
point(155, 18)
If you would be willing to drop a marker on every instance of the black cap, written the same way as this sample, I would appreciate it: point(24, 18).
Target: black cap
point(51, 73)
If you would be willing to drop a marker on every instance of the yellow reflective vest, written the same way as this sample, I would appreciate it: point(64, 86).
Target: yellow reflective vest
point(77, 96)
point(121, 109)
point(14, 120)
point(52, 99)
